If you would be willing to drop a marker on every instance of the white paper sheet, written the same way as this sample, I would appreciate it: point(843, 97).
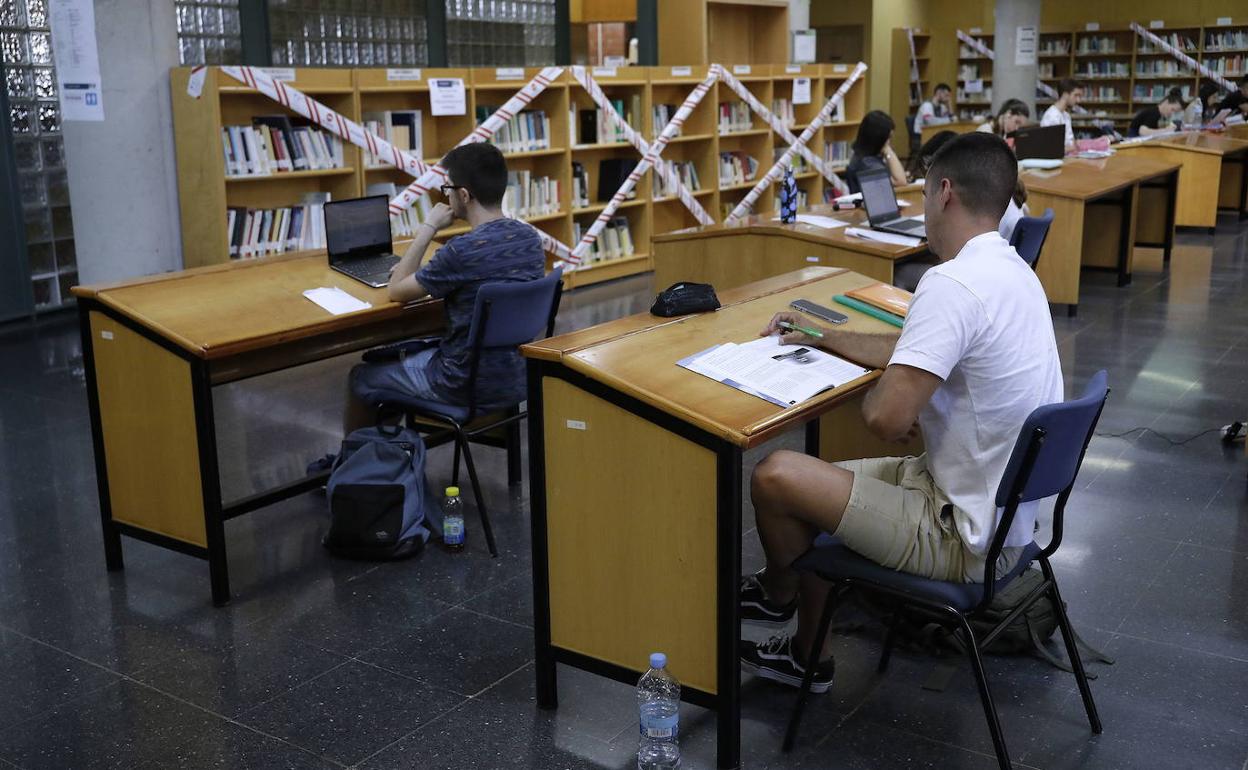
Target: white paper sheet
point(446, 97)
point(829, 223)
point(801, 90)
point(782, 374)
point(882, 237)
point(335, 300)
point(77, 59)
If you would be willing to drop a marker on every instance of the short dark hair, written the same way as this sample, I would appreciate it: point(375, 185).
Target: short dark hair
point(1014, 107)
point(922, 159)
point(1208, 88)
point(941, 87)
point(1174, 96)
point(480, 169)
point(982, 169)
point(1067, 85)
point(873, 133)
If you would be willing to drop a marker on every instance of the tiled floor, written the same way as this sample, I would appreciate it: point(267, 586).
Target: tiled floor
point(427, 664)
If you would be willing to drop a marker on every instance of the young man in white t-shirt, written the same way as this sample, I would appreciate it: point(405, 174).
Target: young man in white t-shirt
point(976, 355)
point(935, 111)
point(1069, 94)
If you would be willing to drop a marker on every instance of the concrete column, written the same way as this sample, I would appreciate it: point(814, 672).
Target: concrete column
point(1011, 80)
point(122, 175)
point(799, 19)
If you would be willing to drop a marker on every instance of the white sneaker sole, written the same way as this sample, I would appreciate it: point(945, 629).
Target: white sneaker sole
point(776, 676)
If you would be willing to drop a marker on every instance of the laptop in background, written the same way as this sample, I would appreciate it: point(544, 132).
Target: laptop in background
point(357, 236)
point(1045, 143)
point(881, 204)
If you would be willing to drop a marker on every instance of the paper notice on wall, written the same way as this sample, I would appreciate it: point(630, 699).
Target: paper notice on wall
point(801, 90)
point(77, 59)
point(804, 46)
point(446, 97)
point(974, 86)
point(1024, 46)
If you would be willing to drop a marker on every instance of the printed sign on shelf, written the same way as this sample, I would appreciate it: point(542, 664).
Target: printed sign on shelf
point(682, 72)
point(740, 69)
point(509, 73)
point(801, 90)
point(285, 74)
point(446, 97)
point(403, 74)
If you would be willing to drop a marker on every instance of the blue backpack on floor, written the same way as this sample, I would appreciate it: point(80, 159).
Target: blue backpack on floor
point(379, 504)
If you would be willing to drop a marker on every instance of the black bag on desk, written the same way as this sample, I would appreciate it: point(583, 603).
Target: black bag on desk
point(685, 298)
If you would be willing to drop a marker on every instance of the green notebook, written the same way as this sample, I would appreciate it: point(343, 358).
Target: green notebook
point(874, 312)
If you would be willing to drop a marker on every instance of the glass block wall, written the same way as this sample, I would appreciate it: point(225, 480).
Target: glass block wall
point(348, 33)
point(507, 33)
point(209, 32)
point(35, 112)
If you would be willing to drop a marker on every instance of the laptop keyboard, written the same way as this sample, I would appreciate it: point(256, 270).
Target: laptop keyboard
point(364, 268)
point(906, 224)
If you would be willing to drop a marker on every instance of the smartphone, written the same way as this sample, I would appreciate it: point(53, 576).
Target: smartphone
point(818, 311)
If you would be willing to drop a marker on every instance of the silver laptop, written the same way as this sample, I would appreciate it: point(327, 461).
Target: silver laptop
point(881, 204)
point(357, 236)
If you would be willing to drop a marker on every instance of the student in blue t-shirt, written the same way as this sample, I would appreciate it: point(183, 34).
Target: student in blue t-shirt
point(495, 249)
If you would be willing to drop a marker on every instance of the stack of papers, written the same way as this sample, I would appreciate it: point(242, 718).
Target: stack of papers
point(782, 374)
point(883, 237)
point(814, 219)
point(335, 300)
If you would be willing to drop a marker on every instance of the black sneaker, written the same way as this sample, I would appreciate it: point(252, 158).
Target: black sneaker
point(758, 609)
point(773, 659)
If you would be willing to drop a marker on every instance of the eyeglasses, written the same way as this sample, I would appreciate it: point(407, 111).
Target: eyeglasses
point(446, 187)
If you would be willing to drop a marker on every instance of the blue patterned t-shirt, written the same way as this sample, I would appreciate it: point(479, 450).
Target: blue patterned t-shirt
point(501, 250)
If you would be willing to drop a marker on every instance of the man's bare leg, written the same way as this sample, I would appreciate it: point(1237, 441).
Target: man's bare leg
point(357, 414)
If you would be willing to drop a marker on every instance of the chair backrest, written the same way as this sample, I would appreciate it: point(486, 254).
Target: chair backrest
point(511, 314)
point(912, 135)
point(1029, 236)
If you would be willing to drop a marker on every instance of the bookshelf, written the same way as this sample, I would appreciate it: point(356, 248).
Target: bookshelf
point(705, 31)
point(973, 96)
point(908, 91)
point(206, 192)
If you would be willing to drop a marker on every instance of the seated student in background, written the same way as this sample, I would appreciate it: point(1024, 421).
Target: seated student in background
point(873, 149)
point(1157, 118)
point(977, 354)
point(495, 249)
point(936, 111)
point(1237, 101)
point(1069, 94)
point(1013, 115)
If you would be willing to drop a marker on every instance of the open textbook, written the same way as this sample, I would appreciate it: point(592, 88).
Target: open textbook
point(782, 374)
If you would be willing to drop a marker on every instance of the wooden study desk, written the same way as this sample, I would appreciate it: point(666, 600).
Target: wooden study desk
point(1104, 208)
point(760, 246)
point(635, 487)
point(155, 347)
point(957, 126)
point(1212, 176)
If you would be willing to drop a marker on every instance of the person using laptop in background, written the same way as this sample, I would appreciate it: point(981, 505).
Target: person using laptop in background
point(935, 111)
point(1237, 101)
point(1069, 94)
point(495, 249)
point(1157, 118)
point(873, 149)
point(1013, 115)
point(976, 355)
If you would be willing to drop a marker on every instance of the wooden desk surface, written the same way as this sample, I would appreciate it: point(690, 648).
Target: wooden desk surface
point(637, 356)
point(1219, 144)
point(765, 224)
point(222, 310)
point(1088, 178)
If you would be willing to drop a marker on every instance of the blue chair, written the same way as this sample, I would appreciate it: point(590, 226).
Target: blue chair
point(1044, 463)
point(505, 316)
point(1029, 236)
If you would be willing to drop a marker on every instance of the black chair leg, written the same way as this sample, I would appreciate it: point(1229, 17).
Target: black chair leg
point(812, 659)
point(981, 679)
point(455, 462)
point(1072, 650)
point(890, 636)
point(514, 472)
point(461, 439)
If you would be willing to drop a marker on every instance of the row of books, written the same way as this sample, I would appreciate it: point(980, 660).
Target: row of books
point(1236, 40)
point(1098, 45)
point(660, 116)
point(612, 172)
point(403, 225)
point(1091, 70)
point(968, 72)
point(615, 241)
point(527, 131)
point(594, 126)
point(967, 96)
point(967, 52)
point(734, 116)
point(1161, 68)
point(783, 109)
point(530, 196)
point(1060, 47)
point(1094, 94)
point(803, 199)
point(274, 145)
point(1228, 66)
point(836, 153)
point(1181, 42)
point(1155, 93)
point(736, 167)
point(256, 232)
point(686, 170)
point(1046, 70)
point(401, 128)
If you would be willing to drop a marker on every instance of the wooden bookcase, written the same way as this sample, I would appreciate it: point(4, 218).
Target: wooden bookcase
point(907, 91)
point(705, 31)
point(205, 191)
point(973, 68)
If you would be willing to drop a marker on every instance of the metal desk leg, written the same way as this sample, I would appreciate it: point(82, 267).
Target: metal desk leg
point(112, 536)
point(544, 655)
point(728, 679)
point(214, 516)
point(1172, 204)
point(1126, 238)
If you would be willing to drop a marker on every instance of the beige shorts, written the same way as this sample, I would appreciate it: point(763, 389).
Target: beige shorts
point(899, 518)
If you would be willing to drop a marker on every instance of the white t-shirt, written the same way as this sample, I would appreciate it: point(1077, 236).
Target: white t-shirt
point(981, 323)
point(1010, 218)
point(986, 128)
point(929, 115)
point(1055, 117)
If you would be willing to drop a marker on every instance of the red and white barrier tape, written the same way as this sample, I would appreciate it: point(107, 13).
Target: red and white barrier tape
point(777, 170)
point(916, 88)
point(1043, 87)
point(582, 76)
point(1182, 57)
point(647, 160)
point(777, 126)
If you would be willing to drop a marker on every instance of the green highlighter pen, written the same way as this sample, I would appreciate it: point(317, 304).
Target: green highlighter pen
point(803, 329)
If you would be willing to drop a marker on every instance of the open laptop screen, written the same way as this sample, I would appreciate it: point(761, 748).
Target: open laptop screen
point(878, 195)
point(357, 227)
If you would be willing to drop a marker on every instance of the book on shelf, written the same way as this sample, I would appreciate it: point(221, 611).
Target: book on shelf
point(686, 170)
point(1181, 42)
point(734, 116)
point(1231, 40)
point(783, 110)
point(615, 241)
point(968, 72)
point(798, 163)
point(1060, 47)
point(736, 167)
point(276, 144)
point(1089, 45)
point(611, 175)
point(595, 126)
point(258, 232)
point(1104, 69)
point(1155, 93)
point(580, 186)
point(1227, 66)
point(803, 199)
point(403, 225)
point(836, 153)
point(530, 196)
point(660, 116)
point(527, 131)
point(401, 128)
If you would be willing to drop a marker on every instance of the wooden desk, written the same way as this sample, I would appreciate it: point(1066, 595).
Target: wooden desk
point(759, 247)
point(1104, 208)
point(636, 474)
point(1212, 176)
point(155, 347)
point(958, 127)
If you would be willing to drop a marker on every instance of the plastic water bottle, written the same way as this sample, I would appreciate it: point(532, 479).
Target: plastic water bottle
point(658, 699)
point(788, 196)
point(452, 521)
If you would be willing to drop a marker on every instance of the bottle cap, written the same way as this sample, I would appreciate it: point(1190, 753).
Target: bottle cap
point(658, 660)
point(452, 491)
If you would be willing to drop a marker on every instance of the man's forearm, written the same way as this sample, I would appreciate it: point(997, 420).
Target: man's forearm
point(411, 260)
point(873, 350)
